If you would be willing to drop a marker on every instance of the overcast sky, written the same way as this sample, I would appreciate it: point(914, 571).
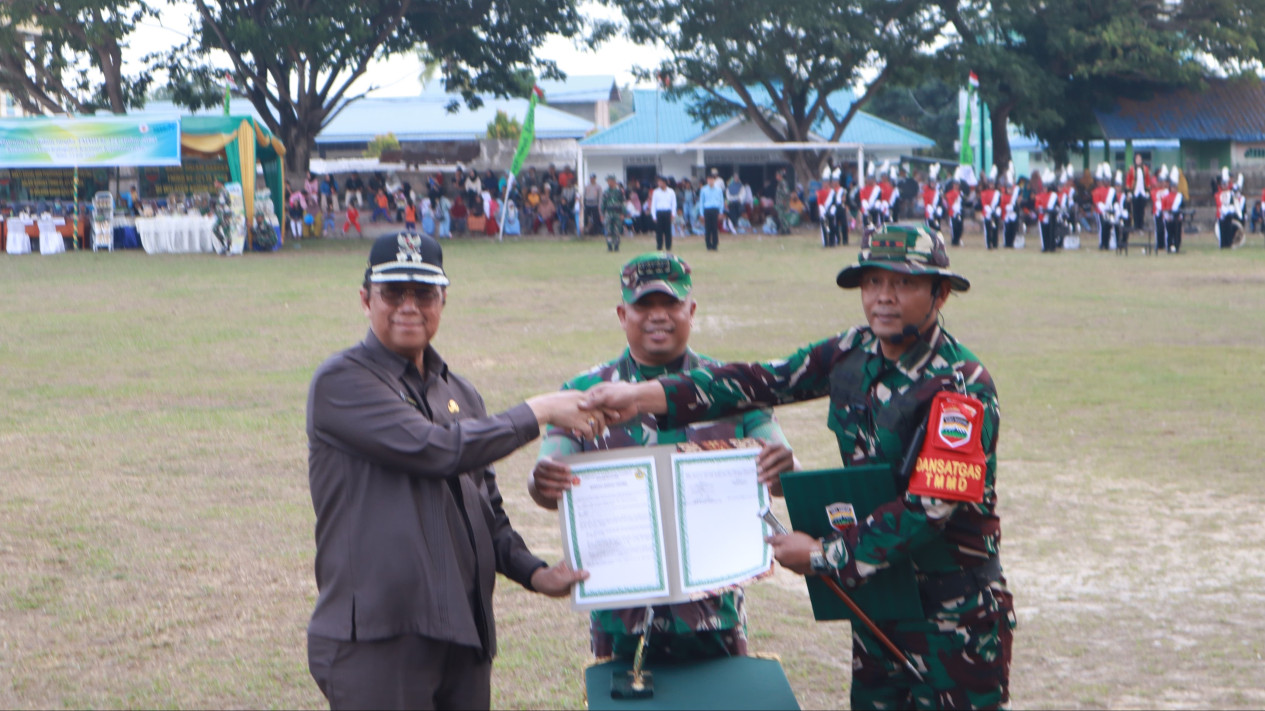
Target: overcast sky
point(398, 76)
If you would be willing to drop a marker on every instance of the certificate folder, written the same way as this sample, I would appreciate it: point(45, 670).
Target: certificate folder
point(664, 524)
point(889, 594)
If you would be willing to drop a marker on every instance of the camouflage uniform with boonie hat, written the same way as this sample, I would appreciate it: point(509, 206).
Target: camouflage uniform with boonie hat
point(962, 644)
point(655, 272)
point(903, 249)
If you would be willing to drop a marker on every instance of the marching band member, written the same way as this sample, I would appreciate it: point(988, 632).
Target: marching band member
point(1010, 206)
point(1104, 198)
point(870, 195)
point(953, 206)
point(887, 194)
point(1158, 195)
point(990, 207)
point(841, 207)
point(1067, 206)
point(1173, 212)
point(932, 203)
point(1122, 212)
point(826, 208)
point(1138, 184)
point(1047, 202)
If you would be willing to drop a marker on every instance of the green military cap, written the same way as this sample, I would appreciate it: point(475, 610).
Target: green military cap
point(655, 271)
point(905, 249)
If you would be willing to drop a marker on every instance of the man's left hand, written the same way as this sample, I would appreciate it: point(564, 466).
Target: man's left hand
point(557, 580)
point(792, 550)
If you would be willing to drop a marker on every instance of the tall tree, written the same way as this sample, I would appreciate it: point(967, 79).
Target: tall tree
point(929, 107)
point(47, 47)
point(778, 63)
point(1048, 66)
point(296, 60)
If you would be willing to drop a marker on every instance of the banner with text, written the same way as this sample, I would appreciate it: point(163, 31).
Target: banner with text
point(89, 142)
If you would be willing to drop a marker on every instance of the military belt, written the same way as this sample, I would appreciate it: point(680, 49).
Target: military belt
point(962, 583)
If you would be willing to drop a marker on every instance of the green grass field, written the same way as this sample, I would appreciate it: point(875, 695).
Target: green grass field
point(156, 530)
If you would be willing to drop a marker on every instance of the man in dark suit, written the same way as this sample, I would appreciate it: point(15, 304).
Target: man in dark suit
point(410, 528)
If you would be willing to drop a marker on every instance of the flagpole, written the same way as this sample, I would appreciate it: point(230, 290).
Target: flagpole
point(525, 140)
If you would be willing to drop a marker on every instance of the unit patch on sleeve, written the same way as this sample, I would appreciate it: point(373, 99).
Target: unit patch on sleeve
point(951, 464)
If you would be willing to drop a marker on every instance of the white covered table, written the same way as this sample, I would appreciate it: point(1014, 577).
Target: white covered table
point(176, 234)
point(51, 241)
point(18, 241)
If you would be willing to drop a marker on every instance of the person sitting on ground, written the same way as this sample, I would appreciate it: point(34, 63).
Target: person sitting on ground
point(530, 205)
point(459, 213)
point(380, 205)
point(546, 213)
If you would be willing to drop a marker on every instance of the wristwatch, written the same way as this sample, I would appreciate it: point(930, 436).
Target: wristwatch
point(817, 561)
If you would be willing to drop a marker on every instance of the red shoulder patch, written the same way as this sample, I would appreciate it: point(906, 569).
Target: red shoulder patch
point(951, 464)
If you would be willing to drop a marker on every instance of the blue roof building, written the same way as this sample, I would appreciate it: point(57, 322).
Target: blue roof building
point(1220, 125)
point(661, 137)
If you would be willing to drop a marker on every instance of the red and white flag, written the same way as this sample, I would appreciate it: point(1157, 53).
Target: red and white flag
point(973, 81)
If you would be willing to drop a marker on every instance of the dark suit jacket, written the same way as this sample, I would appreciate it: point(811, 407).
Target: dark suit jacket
point(410, 530)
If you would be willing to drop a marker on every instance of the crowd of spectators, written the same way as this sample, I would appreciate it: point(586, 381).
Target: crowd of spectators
point(549, 201)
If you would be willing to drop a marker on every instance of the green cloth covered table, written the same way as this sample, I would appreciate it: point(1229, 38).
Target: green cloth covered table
point(727, 683)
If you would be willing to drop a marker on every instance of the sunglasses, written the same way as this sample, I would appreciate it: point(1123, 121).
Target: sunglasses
point(394, 295)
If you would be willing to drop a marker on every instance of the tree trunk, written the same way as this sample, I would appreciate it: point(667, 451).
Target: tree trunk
point(111, 57)
point(807, 165)
point(299, 144)
point(1001, 138)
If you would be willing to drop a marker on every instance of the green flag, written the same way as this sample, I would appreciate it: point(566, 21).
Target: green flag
point(966, 156)
point(528, 135)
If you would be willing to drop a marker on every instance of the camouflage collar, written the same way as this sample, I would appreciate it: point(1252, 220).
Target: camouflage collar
point(630, 371)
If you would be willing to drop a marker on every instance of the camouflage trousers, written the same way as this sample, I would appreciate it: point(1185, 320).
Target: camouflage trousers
point(614, 223)
point(964, 663)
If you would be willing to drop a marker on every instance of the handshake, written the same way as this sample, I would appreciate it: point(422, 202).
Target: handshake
point(587, 414)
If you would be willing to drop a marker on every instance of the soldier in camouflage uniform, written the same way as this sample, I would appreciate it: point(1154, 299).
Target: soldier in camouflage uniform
point(613, 213)
point(880, 380)
point(656, 313)
point(782, 203)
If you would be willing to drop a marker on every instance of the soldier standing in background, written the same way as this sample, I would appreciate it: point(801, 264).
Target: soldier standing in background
point(613, 213)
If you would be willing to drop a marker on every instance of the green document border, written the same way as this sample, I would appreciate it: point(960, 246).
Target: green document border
point(682, 540)
point(582, 591)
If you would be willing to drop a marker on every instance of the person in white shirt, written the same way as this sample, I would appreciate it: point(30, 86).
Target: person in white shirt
point(663, 207)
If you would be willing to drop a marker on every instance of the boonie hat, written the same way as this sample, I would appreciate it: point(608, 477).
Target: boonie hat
point(904, 249)
point(655, 272)
point(406, 257)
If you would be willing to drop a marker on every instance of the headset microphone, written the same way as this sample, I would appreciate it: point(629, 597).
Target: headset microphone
point(909, 331)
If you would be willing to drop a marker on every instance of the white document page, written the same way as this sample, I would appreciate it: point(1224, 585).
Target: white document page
point(611, 525)
point(720, 534)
